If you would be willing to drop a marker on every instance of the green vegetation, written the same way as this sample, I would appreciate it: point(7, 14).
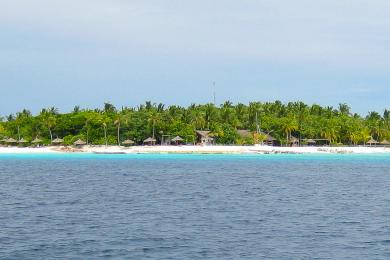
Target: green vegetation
point(111, 126)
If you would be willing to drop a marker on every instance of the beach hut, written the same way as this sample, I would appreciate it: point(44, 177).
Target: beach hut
point(372, 141)
point(149, 141)
point(293, 141)
point(11, 141)
point(270, 140)
point(204, 138)
point(57, 141)
point(36, 141)
point(22, 141)
point(4, 140)
point(128, 142)
point(177, 140)
point(79, 142)
point(385, 143)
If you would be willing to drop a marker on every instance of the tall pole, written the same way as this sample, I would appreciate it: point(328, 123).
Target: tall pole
point(214, 92)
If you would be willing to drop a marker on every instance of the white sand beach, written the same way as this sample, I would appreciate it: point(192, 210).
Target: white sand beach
point(188, 149)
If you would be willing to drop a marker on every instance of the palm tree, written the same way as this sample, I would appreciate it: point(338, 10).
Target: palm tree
point(210, 114)
point(154, 117)
point(103, 121)
point(119, 120)
point(89, 117)
point(289, 125)
point(344, 109)
point(49, 120)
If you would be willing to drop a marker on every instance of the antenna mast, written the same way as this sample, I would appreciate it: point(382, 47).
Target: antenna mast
point(214, 92)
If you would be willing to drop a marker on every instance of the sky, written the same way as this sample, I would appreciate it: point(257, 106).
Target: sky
point(87, 52)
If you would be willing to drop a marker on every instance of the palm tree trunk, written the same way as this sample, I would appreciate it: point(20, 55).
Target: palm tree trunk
point(51, 136)
point(87, 135)
point(18, 133)
point(119, 126)
point(153, 128)
point(286, 138)
point(105, 135)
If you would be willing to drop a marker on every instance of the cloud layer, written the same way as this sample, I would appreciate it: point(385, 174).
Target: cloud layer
point(164, 50)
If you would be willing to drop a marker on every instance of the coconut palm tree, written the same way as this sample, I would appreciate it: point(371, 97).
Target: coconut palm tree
point(289, 125)
point(104, 120)
point(121, 119)
point(48, 117)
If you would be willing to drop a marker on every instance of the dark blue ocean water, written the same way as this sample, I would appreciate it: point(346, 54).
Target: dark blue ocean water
point(78, 206)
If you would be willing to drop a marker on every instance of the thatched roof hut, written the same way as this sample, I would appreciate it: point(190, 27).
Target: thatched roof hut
point(79, 142)
point(128, 142)
point(22, 141)
point(177, 139)
point(203, 133)
point(58, 141)
point(385, 142)
point(36, 141)
point(203, 137)
point(150, 141)
point(11, 141)
point(293, 141)
point(372, 141)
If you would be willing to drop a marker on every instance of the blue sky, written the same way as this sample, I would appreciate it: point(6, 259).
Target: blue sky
point(86, 52)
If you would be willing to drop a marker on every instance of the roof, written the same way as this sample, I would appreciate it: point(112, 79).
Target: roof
point(58, 140)
point(293, 139)
point(79, 142)
point(36, 140)
point(128, 141)
point(385, 142)
point(270, 139)
point(11, 140)
point(177, 139)
point(310, 141)
point(22, 141)
point(203, 133)
point(149, 140)
point(372, 141)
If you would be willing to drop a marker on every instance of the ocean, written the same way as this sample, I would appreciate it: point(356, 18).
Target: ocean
point(165, 206)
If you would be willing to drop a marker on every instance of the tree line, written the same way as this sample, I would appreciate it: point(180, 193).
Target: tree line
point(110, 125)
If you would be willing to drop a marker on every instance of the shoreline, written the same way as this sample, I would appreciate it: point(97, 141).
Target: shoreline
point(193, 149)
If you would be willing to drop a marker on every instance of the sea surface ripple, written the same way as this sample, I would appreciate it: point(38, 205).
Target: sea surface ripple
point(195, 206)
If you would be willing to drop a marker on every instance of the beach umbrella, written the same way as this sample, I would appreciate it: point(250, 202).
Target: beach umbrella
point(11, 140)
point(79, 142)
point(385, 142)
point(177, 139)
point(58, 141)
point(22, 141)
point(128, 142)
point(150, 140)
point(36, 141)
point(372, 141)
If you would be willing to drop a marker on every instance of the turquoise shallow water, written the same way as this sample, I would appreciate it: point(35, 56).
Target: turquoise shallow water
point(165, 206)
